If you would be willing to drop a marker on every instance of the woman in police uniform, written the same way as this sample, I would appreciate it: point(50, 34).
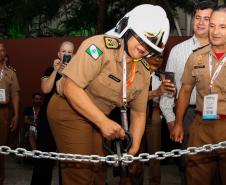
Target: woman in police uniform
point(93, 85)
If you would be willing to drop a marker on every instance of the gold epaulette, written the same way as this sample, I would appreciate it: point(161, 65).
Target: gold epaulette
point(112, 42)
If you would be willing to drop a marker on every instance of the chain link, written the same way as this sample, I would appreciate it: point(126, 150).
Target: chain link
point(111, 159)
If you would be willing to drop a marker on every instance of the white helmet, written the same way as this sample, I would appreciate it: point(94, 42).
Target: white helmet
point(149, 22)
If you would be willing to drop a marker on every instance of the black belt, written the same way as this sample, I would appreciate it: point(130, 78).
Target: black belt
point(192, 106)
point(3, 105)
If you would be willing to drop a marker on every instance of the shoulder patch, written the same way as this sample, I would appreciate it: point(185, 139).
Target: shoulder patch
point(145, 64)
point(111, 43)
point(94, 51)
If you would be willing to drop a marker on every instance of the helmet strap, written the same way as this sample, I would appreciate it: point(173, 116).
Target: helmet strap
point(126, 38)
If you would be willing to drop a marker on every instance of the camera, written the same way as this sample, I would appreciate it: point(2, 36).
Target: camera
point(66, 59)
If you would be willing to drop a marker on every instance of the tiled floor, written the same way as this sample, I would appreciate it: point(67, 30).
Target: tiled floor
point(18, 173)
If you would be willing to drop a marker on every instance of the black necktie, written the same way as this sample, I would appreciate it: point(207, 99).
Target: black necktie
point(150, 102)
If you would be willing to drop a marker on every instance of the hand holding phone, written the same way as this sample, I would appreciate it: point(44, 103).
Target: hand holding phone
point(66, 58)
point(169, 86)
point(169, 76)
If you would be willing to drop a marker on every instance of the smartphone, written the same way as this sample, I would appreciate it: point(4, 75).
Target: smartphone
point(66, 59)
point(169, 76)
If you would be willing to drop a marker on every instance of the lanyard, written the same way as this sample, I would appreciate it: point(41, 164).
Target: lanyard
point(216, 73)
point(131, 76)
point(124, 100)
point(126, 84)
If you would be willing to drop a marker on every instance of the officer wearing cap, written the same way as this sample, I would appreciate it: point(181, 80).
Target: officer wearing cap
point(96, 82)
point(9, 93)
point(205, 70)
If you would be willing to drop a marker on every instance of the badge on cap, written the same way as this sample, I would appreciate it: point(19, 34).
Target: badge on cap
point(111, 43)
point(94, 51)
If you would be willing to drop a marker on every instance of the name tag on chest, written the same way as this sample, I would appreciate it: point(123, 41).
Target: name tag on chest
point(114, 78)
point(210, 106)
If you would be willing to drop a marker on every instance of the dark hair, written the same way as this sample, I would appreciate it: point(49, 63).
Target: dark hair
point(36, 93)
point(201, 5)
point(220, 8)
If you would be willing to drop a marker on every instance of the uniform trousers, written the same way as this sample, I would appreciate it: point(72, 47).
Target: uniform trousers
point(153, 144)
point(4, 132)
point(188, 118)
point(76, 135)
point(43, 168)
point(201, 168)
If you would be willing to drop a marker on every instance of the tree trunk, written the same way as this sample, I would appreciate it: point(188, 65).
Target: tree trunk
point(177, 26)
point(188, 24)
point(100, 18)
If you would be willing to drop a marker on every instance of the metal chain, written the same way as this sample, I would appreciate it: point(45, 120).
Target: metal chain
point(110, 159)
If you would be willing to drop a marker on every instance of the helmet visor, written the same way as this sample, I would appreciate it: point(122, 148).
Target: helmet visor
point(151, 51)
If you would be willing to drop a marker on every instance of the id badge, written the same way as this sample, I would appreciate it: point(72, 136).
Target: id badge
point(2, 96)
point(210, 107)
